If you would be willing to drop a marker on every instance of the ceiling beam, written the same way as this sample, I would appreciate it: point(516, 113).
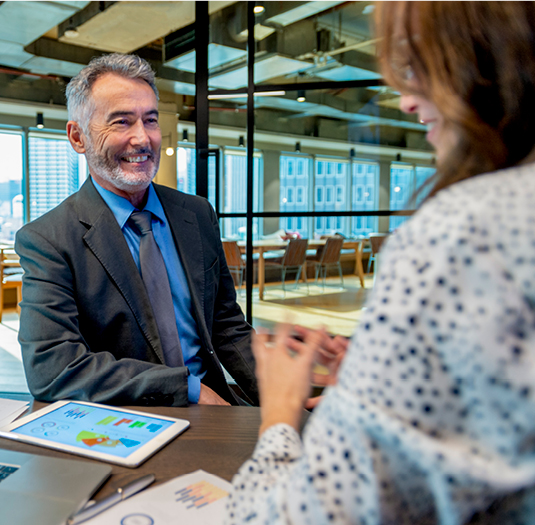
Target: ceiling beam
point(50, 48)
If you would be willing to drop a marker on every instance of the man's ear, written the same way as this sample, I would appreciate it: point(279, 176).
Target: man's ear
point(76, 136)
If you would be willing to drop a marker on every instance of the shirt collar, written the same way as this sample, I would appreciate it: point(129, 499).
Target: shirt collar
point(122, 208)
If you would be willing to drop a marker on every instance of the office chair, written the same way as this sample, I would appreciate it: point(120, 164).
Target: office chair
point(294, 259)
point(235, 263)
point(329, 257)
point(376, 241)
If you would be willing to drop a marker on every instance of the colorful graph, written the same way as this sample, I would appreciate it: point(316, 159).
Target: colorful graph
point(200, 494)
point(78, 413)
point(92, 439)
point(131, 424)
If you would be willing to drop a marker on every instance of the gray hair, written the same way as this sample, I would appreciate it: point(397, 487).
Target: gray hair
point(78, 92)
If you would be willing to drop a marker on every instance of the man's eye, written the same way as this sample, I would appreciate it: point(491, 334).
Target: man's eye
point(120, 122)
point(152, 120)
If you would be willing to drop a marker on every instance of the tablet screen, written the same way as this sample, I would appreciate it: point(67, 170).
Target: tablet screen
point(105, 430)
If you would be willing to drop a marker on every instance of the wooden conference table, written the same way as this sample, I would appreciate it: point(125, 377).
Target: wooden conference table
point(9, 260)
point(219, 440)
point(267, 245)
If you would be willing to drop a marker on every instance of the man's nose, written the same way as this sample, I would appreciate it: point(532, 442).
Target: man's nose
point(139, 135)
point(408, 104)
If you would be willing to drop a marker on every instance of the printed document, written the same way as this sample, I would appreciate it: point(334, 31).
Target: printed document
point(198, 498)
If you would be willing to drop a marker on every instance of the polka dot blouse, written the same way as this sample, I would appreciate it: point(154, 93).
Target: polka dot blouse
point(433, 416)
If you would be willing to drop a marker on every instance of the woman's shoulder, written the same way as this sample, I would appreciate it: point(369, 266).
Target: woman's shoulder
point(496, 189)
point(494, 203)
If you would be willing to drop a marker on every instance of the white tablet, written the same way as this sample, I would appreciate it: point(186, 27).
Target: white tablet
point(112, 434)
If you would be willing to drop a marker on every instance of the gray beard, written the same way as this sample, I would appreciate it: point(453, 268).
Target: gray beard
point(112, 172)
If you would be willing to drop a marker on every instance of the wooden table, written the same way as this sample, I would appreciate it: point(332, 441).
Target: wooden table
point(9, 259)
point(263, 246)
point(219, 440)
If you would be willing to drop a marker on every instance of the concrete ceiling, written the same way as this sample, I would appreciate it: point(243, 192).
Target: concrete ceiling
point(43, 44)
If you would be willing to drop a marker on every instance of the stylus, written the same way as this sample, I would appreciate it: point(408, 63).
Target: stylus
point(105, 503)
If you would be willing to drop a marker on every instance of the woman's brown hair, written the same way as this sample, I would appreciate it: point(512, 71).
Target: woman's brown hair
point(476, 62)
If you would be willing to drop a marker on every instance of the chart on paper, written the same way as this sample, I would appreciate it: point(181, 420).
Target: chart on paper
point(199, 495)
point(198, 498)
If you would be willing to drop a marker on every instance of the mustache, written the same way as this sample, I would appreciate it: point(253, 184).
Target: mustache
point(140, 151)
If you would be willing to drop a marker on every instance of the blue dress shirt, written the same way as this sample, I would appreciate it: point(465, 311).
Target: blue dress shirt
point(186, 324)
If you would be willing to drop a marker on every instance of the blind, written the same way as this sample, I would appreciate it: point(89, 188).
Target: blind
point(54, 173)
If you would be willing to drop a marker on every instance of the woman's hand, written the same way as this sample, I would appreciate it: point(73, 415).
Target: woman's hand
point(331, 352)
point(284, 380)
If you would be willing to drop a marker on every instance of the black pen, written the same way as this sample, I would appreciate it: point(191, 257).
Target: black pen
point(105, 503)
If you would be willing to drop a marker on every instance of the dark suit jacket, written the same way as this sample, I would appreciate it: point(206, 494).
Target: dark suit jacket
point(87, 330)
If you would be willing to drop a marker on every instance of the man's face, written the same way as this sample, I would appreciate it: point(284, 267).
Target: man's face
point(122, 147)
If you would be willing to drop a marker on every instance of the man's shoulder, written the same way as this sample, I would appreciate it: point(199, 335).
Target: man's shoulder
point(55, 215)
point(66, 215)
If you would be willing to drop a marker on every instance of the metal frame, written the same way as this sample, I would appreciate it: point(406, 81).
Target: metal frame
point(202, 28)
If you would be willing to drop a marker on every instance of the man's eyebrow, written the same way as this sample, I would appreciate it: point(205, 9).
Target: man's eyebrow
point(125, 113)
point(116, 114)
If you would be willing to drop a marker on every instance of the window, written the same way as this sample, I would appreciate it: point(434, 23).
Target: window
point(300, 195)
point(404, 180)
point(235, 193)
point(185, 167)
point(401, 185)
point(56, 171)
point(339, 194)
point(290, 193)
point(290, 167)
point(365, 196)
point(331, 183)
point(293, 190)
point(11, 191)
point(423, 173)
point(329, 191)
point(186, 173)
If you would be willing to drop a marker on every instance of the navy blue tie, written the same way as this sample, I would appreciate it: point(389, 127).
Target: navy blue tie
point(154, 275)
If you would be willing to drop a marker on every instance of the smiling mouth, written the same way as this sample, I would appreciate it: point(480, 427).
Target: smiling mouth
point(135, 158)
point(429, 124)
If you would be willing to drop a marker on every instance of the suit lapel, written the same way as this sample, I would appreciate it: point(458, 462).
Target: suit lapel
point(187, 236)
point(106, 240)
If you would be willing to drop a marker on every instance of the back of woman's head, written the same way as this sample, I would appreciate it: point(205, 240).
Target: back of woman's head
point(476, 62)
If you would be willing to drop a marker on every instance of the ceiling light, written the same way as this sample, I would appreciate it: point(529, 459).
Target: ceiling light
point(352, 153)
point(269, 93)
point(241, 141)
point(298, 147)
point(222, 96)
point(71, 32)
point(40, 121)
point(258, 9)
point(301, 95)
point(169, 151)
point(185, 135)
